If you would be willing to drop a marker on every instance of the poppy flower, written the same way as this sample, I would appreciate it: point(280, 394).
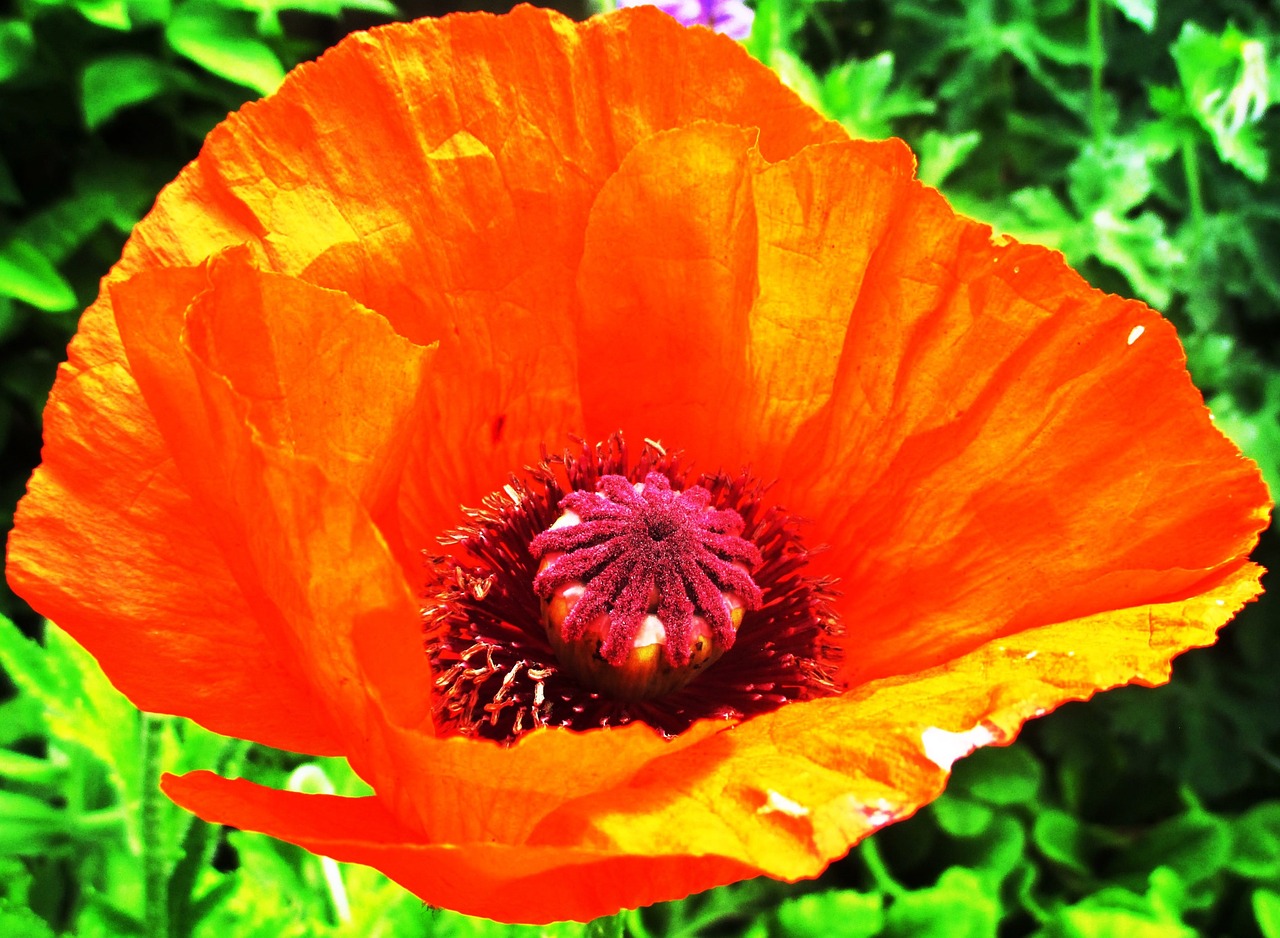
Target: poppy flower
point(477, 321)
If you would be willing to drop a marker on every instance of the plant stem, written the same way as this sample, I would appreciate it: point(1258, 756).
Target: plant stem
point(879, 869)
point(155, 892)
point(1195, 198)
point(1097, 59)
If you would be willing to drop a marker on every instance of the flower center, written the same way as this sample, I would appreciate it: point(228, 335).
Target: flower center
point(643, 586)
point(598, 589)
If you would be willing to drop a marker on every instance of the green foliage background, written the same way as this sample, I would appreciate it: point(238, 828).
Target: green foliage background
point(1139, 140)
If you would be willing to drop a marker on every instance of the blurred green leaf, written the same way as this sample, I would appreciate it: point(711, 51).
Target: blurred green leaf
point(835, 914)
point(117, 81)
point(26, 274)
point(268, 11)
point(1061, 838)
point(111, 14)
point(1002, 776)
point(1266, 910)
point(18, 767)
point(17, 47)
point(957, 907)
point(1115, 176)
point(1115, 911)
point(1141, 12)
point(856, 93)
point(1195, 845)
point(940, 154)
point(148, 12)
point(21, 922)
point(28, 825)
point(223, 42)
point(1256, 843)
point(962, 817)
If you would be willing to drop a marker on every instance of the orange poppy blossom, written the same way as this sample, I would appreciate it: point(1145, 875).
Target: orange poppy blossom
point(909, 485)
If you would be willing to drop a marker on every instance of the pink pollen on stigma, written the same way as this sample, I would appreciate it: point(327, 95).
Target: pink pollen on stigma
point(627, 551)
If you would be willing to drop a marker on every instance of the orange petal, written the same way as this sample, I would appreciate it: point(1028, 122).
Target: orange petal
point(455, 206)
point(505, 882)
point(790, 791)
point(716, 288)
point(985, 442)
point(123, 562)
point(282, 418)
point(667, 280)
point(783, 794)
point(1004, 446)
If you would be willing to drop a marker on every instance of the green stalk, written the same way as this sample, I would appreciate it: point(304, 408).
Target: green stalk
point(1097, 60)
point(879, 869)
point(155, 880)
point(1195, 198)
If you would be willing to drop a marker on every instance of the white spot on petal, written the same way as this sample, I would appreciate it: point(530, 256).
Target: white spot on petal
point(1135, 333)
point(781, 804)
point(943, 748)
point(879, 815)
point(1031, 654)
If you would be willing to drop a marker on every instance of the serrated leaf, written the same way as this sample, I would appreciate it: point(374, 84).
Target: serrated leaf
point(1115, 176)
point(222, 42)
point(856, 93)
point(1224, 77)
point(1139, 248)
point(27, 275)
point(115, 82)
point(80, 705)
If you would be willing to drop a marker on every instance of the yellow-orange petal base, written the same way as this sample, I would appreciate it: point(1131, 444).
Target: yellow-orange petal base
point(384, 288)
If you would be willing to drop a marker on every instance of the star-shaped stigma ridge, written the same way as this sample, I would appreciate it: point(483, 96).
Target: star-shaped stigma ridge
point(642, 549)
